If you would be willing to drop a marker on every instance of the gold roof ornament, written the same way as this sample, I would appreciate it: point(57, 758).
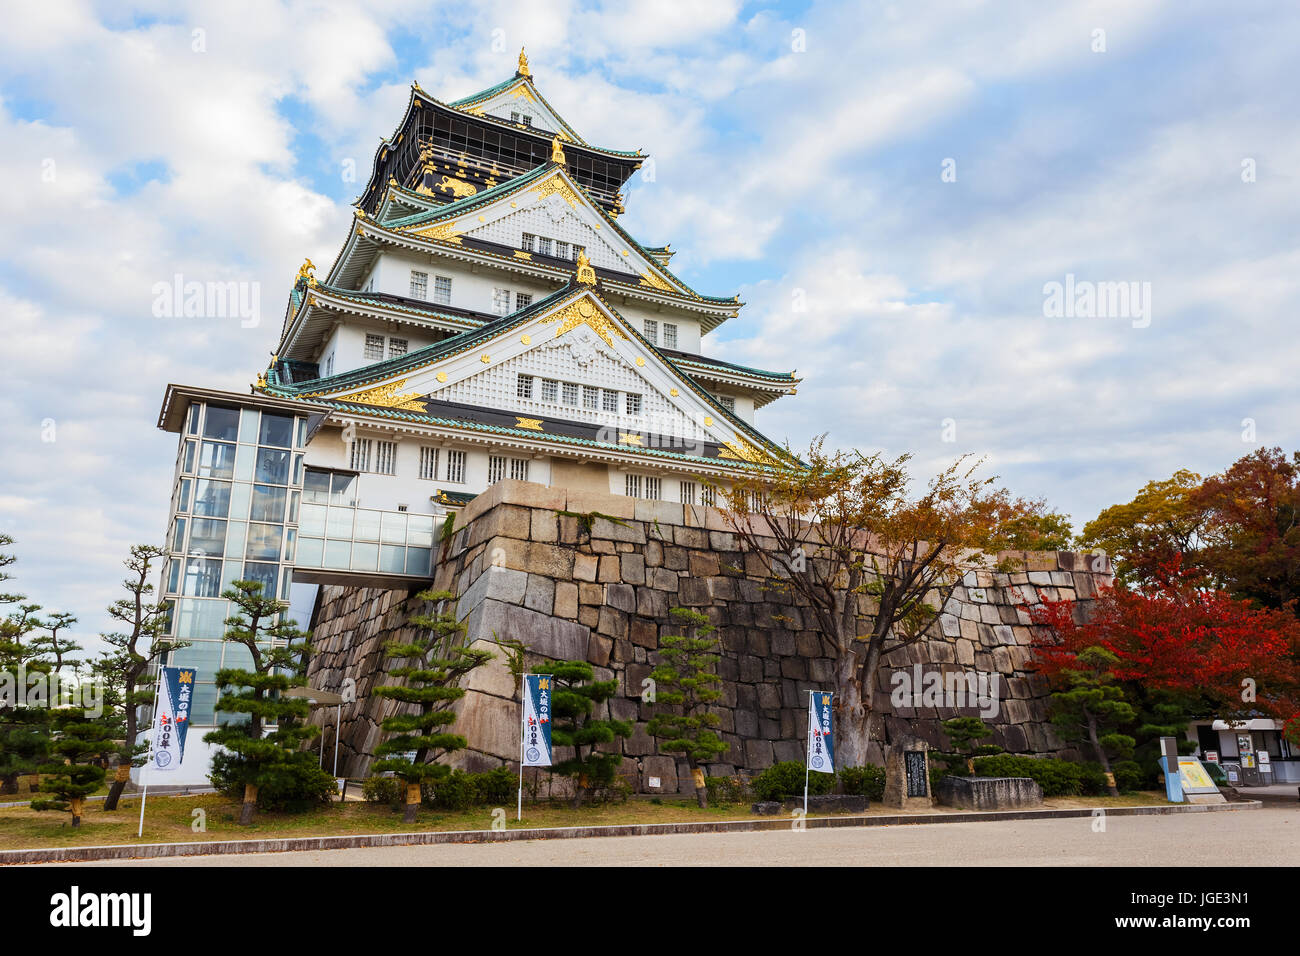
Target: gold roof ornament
point(523, 64)
point(586, 274)
point(305, 272)
point(557, 151)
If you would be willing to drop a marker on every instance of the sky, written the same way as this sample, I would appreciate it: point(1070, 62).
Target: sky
point(902, 193)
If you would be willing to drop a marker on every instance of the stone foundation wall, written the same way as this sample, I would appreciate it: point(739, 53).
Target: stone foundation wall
point(523, 570)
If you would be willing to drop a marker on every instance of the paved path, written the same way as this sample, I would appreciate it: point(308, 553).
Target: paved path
point(1267, 836)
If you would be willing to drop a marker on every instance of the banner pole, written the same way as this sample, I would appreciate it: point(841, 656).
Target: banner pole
point(144, 781)
point(523, 689)
point(807, 741)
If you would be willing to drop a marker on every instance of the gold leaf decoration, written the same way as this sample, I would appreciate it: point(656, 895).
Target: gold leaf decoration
point(585, 312)
point(388, 396)
point(558, 187)
point(654, 282)
point(442, 232)
point(741, 450)
point(634, 438)
point(534, 423)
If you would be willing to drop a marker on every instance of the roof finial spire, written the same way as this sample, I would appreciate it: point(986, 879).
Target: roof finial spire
point(557, 151)
point(585, 273)
point(523, 65)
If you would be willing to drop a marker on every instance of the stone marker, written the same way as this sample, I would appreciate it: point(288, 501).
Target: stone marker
point(989, 793)
point(907, 775)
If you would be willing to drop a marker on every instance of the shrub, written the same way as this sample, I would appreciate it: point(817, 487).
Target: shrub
point(1129, 776)
point(299, 784)
point(1058, 778)
point(784, 780)
point(867, 781)
point(728, 790)
point(382, 790)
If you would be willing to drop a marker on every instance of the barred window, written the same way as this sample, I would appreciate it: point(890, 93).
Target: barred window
point(708, 495)
point(726, 401)
point(374, 347)
point(633, 403)
point(442, 290)
point(385, 457)
point(687, 494)
point(590, 397)
point(519, 469)
point(496, 469)
point(528, 242)
point(361, 454)
point(570, 393)
point(609, 400)
point(632, 486)
point(550, 390)
point(651, 331)
point(523, 299)
point(456, 466)
point(524, 386)
point(419, 285)
point(543, 246)
point(561, 249)
point(501, 301)
point(397, 347)
point(429, 463)
point(670, 335)
point(653, 488)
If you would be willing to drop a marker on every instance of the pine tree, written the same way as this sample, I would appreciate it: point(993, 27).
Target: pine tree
point(685, 681)
point(24, 731)
point(51, 643)
point(266, 763)
point(81, 743)
point(127, 669)
point(1092, 708)
point(574, 724)
point(435, 664)
point(963, 732)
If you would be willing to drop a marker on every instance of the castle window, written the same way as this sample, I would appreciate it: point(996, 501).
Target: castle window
point(374, 347)
point(708, 496)
point(429, 463)
point(653, 488)
point(385, 457)
point(456, 466)
point(522, 299)
point(632, 486)
point(590, 397)
point(442, 290)
point(687, 494)
point(651, 331)
point(609, 400)
point(519, 469)
point(727, 401)
point(550, 390)
point(570, 394)
point(397, 347)
point(543, 246)
point(501, 301)
point(496, 469)
point(528, 242)
point(419, 285)
point(670, 335)
point(361, 454)
point(633, 404)
point(524, 386)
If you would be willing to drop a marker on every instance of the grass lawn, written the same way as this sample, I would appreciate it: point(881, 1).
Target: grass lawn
point(170, 819)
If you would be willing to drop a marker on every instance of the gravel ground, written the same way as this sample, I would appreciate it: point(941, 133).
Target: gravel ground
point(1269, 836)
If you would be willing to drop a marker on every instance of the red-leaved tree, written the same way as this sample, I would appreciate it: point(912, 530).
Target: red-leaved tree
point(1183, 637)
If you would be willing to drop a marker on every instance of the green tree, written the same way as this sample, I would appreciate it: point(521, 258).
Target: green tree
point(575, 724)
point(1091, 707)
point(58, 648)
point(81, 744)
point(136, 653)
point(963, 732)
point(262, 753)
point(435, 664)
point(686, 681)
point(24, 731)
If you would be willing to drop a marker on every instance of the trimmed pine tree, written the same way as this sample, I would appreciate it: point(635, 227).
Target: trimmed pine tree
point(81, 745)
point(574, 724)
point(262, 754)
point(686, 682)
point(434, 665)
